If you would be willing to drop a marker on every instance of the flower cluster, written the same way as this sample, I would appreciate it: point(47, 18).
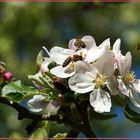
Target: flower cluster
point(102, 71)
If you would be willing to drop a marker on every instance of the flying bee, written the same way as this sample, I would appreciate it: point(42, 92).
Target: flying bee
point(79, 43)
point(73, 58)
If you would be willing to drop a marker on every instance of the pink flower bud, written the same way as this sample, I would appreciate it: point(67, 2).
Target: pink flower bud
point(7, 76)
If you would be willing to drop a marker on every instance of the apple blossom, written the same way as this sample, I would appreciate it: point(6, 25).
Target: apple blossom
point(41, 104)
point(128, 84)
point(94, 80)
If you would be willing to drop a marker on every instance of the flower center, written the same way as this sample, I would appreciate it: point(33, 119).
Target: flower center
point(130, 77)
point(100, 80)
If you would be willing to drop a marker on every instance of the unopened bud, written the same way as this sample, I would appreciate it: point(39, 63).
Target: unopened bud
point(7, 76)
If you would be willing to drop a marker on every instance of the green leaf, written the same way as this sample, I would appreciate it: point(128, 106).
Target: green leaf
point(100, 116)
point(131, 115)
point(42, 131)
point(16, 90)
point(15, 97)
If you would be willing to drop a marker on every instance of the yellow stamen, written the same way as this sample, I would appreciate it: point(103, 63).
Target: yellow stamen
point(130, 77)
point(71, 65)
point(100, 80)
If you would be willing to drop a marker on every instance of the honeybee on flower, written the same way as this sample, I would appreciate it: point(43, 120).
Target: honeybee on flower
point(92, 69)
point(89, 52)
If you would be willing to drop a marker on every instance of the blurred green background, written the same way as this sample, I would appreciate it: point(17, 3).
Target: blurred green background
point(26, 27)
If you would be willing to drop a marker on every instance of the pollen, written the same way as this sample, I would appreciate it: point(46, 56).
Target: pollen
point(70, 68)
point(71, 65)
point(130, 77)
point(100, 80)
point(83, 54)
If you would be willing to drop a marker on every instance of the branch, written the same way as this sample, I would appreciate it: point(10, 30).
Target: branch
point(24, 113)
point(82, 109)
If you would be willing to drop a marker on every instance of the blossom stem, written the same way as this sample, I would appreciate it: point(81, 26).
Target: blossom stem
point(82, 109)
point(73, 133)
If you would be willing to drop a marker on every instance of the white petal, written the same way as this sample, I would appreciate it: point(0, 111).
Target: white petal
point(128, 62)
point(123, 88)
point(71, 44)
point(100, 100)
point(95, 53)
point(63, 72)
point(133, 95)
point(137, 86)
point(124, 63)
point(37, 103)
point(105, 44)
point(81, 66)
point(105, 64)
point(89, 41)
point(121, 63)
point(116, 46)
point(60, 54)
point(81, 83)
point(112, 85)
point(52, 107)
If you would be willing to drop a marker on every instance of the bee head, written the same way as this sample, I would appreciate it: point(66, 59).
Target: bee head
point(79, 43)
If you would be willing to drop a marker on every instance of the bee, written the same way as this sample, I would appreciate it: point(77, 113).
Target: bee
point(73, 58)
point(79, 43)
